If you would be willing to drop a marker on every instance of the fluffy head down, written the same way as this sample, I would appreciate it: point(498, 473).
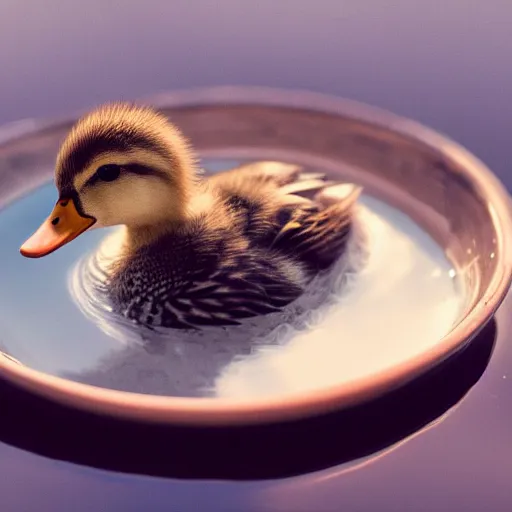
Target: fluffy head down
point(126, 164)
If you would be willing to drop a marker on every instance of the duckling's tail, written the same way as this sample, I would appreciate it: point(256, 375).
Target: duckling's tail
point(325, 193)
point(317, 234)
point(340, 195)
point(306, 184)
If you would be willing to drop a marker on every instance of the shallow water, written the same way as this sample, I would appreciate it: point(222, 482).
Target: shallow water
point(390, 299)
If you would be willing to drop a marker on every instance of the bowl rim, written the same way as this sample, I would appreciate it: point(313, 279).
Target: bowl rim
point(223, 411)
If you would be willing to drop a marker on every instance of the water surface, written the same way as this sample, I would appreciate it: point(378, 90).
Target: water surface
point(393, 296)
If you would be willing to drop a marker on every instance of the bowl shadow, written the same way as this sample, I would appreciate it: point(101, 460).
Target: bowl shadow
point(242, 452)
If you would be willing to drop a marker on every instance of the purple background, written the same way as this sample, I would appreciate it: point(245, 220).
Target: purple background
point(446, 63)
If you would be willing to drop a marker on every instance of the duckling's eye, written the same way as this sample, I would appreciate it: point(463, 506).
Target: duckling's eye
point(108, 172)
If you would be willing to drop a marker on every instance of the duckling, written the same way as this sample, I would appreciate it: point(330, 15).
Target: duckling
point(197, 250)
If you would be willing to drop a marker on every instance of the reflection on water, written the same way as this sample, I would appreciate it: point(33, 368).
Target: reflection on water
point(378, 307)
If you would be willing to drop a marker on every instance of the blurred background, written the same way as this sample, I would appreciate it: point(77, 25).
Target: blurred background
point(445, 63)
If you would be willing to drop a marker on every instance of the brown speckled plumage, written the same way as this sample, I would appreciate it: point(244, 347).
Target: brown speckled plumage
point(237, 244)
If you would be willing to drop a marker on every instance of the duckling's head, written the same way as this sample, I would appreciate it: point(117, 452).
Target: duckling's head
point(120, 164)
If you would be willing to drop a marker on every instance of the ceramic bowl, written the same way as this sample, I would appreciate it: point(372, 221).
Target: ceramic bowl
point(443, 187)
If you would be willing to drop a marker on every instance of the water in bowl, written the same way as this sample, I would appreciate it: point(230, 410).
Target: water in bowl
point(393, 296)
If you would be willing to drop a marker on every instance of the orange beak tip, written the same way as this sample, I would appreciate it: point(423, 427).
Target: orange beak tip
point(62, 226)
point(30, 250)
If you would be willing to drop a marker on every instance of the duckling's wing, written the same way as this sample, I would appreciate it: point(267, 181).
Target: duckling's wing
point(300, 213)
point(317, 233)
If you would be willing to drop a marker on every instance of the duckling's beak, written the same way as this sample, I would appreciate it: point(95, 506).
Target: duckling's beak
point(63, 225)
